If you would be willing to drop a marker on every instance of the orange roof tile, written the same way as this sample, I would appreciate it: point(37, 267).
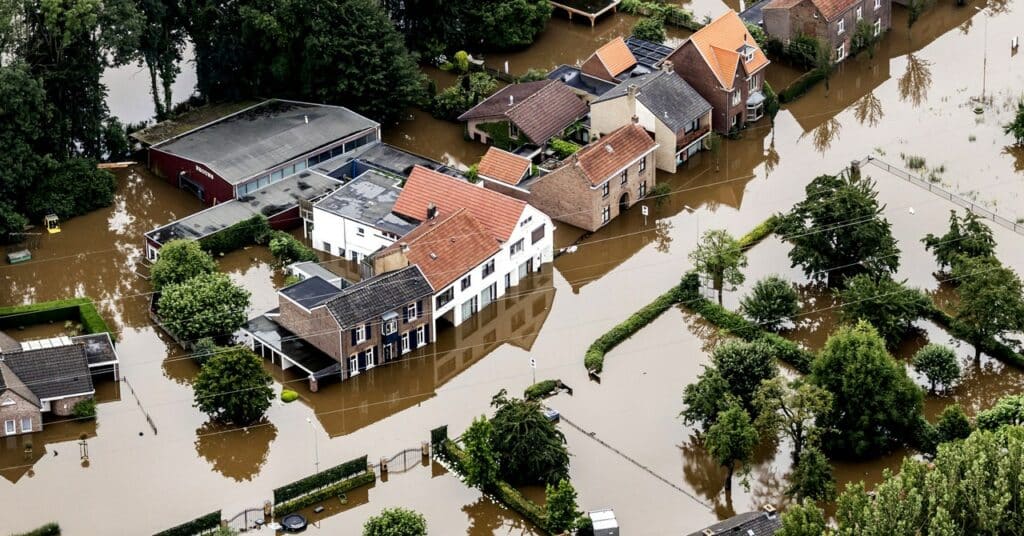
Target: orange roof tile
point(608, 155)
point(616, 56)
point(447, 247)
point(498, 213)
point(829, 9)
point(503, 166)
point(719, 43)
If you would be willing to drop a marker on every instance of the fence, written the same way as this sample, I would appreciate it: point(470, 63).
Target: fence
point(139, 402)
point(946, 194)
point(247, 519)
point(403, 461)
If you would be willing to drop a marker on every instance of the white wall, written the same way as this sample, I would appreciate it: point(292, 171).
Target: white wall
point(542, 252)
point(343, 234)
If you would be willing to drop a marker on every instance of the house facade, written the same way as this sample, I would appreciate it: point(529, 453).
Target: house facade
point(522, 114)
point(834, 23)
point(726, 67)
point(600, 181)
point(664, 105)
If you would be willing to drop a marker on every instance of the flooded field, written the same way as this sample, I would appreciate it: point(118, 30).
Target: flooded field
point(915, 96)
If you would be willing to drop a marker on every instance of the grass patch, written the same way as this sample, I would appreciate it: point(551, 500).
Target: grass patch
point(77, 310)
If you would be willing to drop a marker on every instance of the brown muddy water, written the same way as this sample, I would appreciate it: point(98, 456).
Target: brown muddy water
point(913, 97)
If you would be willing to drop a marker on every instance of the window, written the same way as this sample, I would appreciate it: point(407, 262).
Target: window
point(604, 190)
point(8, 402)
point(488, 269)
point(405, 342)
point(752, 84)
point(513, 130)
point(625, 176)
point(360, 231)
point(26, 424)
point(411, 312)
point(389, 327)
point(355, 255)
point(735, 98)
point(371, 359)
point(360, 334)
point(840, 51)
point(693, 125)
point(643, 164)
point(840, 27)
point(470, 307)
point(488, 294)
point(466, 282)
point(341, 252)
point(277, 175)
point(9, 427)
point(327, 247)
point(537, 235)
point(643, 188)
point(860, 13)
point(445, 297)
point(516, 248)
point(878, 4)
point(353, 366)
point(736, 120)
point(526, 222)
point(421, 336)
point(878, 27)
point(388, 352)
point(606, 214)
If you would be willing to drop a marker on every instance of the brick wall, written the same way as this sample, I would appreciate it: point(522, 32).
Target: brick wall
point(317, 327)
point(64, 406)
point(688, 63)
point(20, 409)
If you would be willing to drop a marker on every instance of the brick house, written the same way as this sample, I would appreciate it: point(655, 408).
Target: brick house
point(527, 113)
point(671, 111)
point(724, 64)
point(610, 62)
point(498, 167)
point(600, 181)
point(833, 22)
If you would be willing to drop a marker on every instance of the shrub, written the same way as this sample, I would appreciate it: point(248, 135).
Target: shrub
point(334, 490)
point(287, 395)
point(938, 363)
point(759, 233)
point(890, 306)
point(49, 529)
point(203, 349)
point(179, 261)
point(953, 424)
point(396, 522)
point(563, 148)
point(772, 302)
point(533, 75)
point(461, 61)
point(650, 29)
point(78, 310)
point(801, 85)
point(84, 409)
point(530, 448)
point(319, 480)
point(288, 249)
point(1008, 410)
point(540, 389)
point(594, 358)
point(198, 525)
point(244, 233)
point(660, 193)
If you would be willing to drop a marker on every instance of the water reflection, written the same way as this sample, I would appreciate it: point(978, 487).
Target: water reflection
point(825, 134)
point(483, 521)
point(913, 85)
point(236, 454)
point(18, 454)
point(868, 109)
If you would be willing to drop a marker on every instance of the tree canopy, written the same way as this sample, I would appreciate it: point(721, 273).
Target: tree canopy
point(876, 406)
point(179, 261)
point(482, 469)
point(731, 440)
point(744, 365)
point(953, 423)
point(719, 257)
point(396, 522)
point(772, 302)
point(803, 519)
point(991, 299)
point(966, 237)
point(232, 386)
point(838, 231)
point(650, 29)
point(1008, 410)
point(890, 306)
point(208, 305)
point(938, 363)
point(1015, 128)
point(561, 507)
point(530, 449)
point(433, 27)
point(706, 398)
point(791, 407)
point(812, 477)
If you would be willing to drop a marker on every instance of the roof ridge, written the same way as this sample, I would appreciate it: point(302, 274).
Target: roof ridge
point(543, 88)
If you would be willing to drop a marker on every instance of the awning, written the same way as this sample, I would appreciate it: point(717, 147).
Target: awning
point(755, 99)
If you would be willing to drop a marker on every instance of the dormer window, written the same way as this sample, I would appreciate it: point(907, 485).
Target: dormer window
point(748, 53)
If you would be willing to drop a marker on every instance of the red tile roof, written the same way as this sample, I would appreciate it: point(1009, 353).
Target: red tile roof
point(829, 9)
point(447, 247)
point(503, 166)
point(610, 154)
point(616, 56)
point(539, 109)
point(719, 43)
point(498, 213)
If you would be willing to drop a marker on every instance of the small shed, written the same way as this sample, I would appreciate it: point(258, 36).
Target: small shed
point(21, 255)
point(604, 522)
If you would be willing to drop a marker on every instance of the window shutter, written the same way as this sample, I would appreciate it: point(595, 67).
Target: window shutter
point(414, 338)
point(426, 334)
point(419, 308)
point(405, 315)
point(366, 331)
point(354, 337)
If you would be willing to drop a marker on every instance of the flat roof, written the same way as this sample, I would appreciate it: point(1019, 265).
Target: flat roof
point(312, 268)
point(311, 292)
point(274, 199)
point(304, 355)
point(99, 349)
point(576, 79)
point(369, 199)
point(261, 137)
point(381, 156)
point(190, 120)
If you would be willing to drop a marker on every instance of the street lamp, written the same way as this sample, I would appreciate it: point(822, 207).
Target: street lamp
point(694, 212)
point(984, 61)
point(316, 446)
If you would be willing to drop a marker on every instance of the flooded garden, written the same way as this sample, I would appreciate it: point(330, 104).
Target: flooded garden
point(923, 94)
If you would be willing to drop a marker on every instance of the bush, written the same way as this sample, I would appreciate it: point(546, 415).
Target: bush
point(78, 310)
point(49, 529)
point(1008, 410)
point(198, 525)
point(540, 389)
point(319, 480)
point(890, 306)
point(953, 424)
point(759, 233)
point(594, 358)
point(244, 233)
point(333, 490)
point(772, 302)
point(990, 346)
point(533, 75)
point(84, 409)
point(287, 395)
point(179, 261)
point(203, 349)
point(396, 522)
point(801, 85)
point(671, 13)
point(938, 363)
point(562, 148)
point(288, 249)
point(650, 29)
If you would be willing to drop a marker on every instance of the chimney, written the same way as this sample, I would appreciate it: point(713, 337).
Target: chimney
point(404, 246)
point(431, 211)
point(769, 511)
point(668, 66)
point(631, 90)
point(511, 100)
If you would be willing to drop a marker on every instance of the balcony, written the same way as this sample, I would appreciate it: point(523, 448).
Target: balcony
point(684, 139)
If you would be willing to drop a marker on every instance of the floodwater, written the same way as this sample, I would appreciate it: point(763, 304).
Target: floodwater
point(914, 96)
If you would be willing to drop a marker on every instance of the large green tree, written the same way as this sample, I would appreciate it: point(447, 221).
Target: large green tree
point(1015, 128)
point(876, 406)
point(966, 237)
point(953, 424)
point(731, 440)
point(161, 44)
point(744, 365)
point(396, 522)
point(991, 300)
point(938, 363)
point(232, 386)
point(504, 24)
point(772, 302)
point(812, 477)
point(1008, 410)
point(179, 261)
point(890, 306)
point(720, 258)
point(531, 450)
point(208, 305)
point(23, 111)
point(561, 506)
point(803, 519)
point(482, 469)
point(838, 231)
point(791, 407)
point(706, 398)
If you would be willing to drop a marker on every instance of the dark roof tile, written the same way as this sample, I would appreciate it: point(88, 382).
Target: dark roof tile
point(369, 299)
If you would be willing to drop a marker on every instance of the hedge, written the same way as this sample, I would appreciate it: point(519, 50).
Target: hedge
point(49, 529)
point(594, 358)
point(244, 233)
point(540, 389)
point(198, 525)
point(759, 233)
point(319, 480)
point(671, 14)
point(991, 346)
point(288, 249)
point(802, 85)
point(334, 490)
point(79, 310)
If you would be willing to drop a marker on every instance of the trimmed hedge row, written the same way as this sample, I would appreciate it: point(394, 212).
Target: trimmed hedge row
point(759, 233)
point(79, 310)
point(540, 389)
point(198, 525)
point(991, 346)
point(594, 358)
point(288, 249)
point(671, 14)
point(334, 490)
point(319, 480)
point(49, 529)
point(244, 233)
point(802, 85)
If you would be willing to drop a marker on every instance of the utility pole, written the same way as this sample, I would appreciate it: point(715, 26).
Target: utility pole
point(984, 54)
point(316, 446)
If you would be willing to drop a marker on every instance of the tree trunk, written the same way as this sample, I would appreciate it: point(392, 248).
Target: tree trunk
point(728, 478)
point(154, 90)
point(798, 447)
point(977, 354)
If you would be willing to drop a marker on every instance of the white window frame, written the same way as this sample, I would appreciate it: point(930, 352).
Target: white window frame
point(421, 333)
point(840, 27)
point(841, 52)
point(9, 427)
point(878, 4)
point(735, 97)
point(360, 231)
point(752, 84)
point(412, 311)
point(389, 327)
point(606, 214)
point(26, 420)
point(605, 189)
point(405, 342)
point(878, 26)
point(371, 357)
point(860, 13)
point(353, 365)
point(466, 282)
point(361, 334)
point(8, 402)
point(624, 178)
point(643, 164)
point(516, 248)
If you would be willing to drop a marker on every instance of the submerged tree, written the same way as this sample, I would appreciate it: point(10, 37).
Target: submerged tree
point(966, 237)
point(812, 477)
point(772, 302)
point(991, 300)
point(953, 424)
point(530, 449)
point(705, 399)
point(482, 466)
point(562, 510)
point(791, 408)
point(890, 306)
point(208, 305)
point(731, 440)
point(720, 258)
point(396, 522)
point(179, 261)
point(233, 387)
point(744, 365)
point(1015, 128)
point(938, 364)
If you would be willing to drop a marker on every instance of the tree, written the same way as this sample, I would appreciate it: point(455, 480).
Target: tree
point(875, 404)
point(504, 24)
point(771, 103)
point(731, 440)
point(650, 29)
point(1008, 410)
point(890, 306)
point(706, 398)
point(467, 92)
point(719, 257)
point(396, 522)
point(1016, 127)
point(812, 477)
point(561, 507)
point(991, 300)
point(161, 43)
point(838, 231)
point(938, 363)
point(758, 33)
point(791, 407)
point(208, 305)
point(916, 8)
point(744, 365)
point(482, 469)
point(772, 302)
point(179, 261)
point(968, 237)
point(802, 519)
point(21, 164)
point(233, 387)
point(531, 450)
point(953, 424)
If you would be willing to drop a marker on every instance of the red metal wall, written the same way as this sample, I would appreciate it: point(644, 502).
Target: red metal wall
point(288, 219)
point(168, 166)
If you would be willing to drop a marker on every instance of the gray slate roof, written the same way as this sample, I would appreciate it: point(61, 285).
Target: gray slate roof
point(369, 199)
point(10, 380)
point(311, 292)
point(266, 135)
point(52, 372)
point(755, 523)
point(371, 298)
point(667, 96)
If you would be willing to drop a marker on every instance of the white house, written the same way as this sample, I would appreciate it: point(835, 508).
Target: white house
point(357, 219)
point(473, 246)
